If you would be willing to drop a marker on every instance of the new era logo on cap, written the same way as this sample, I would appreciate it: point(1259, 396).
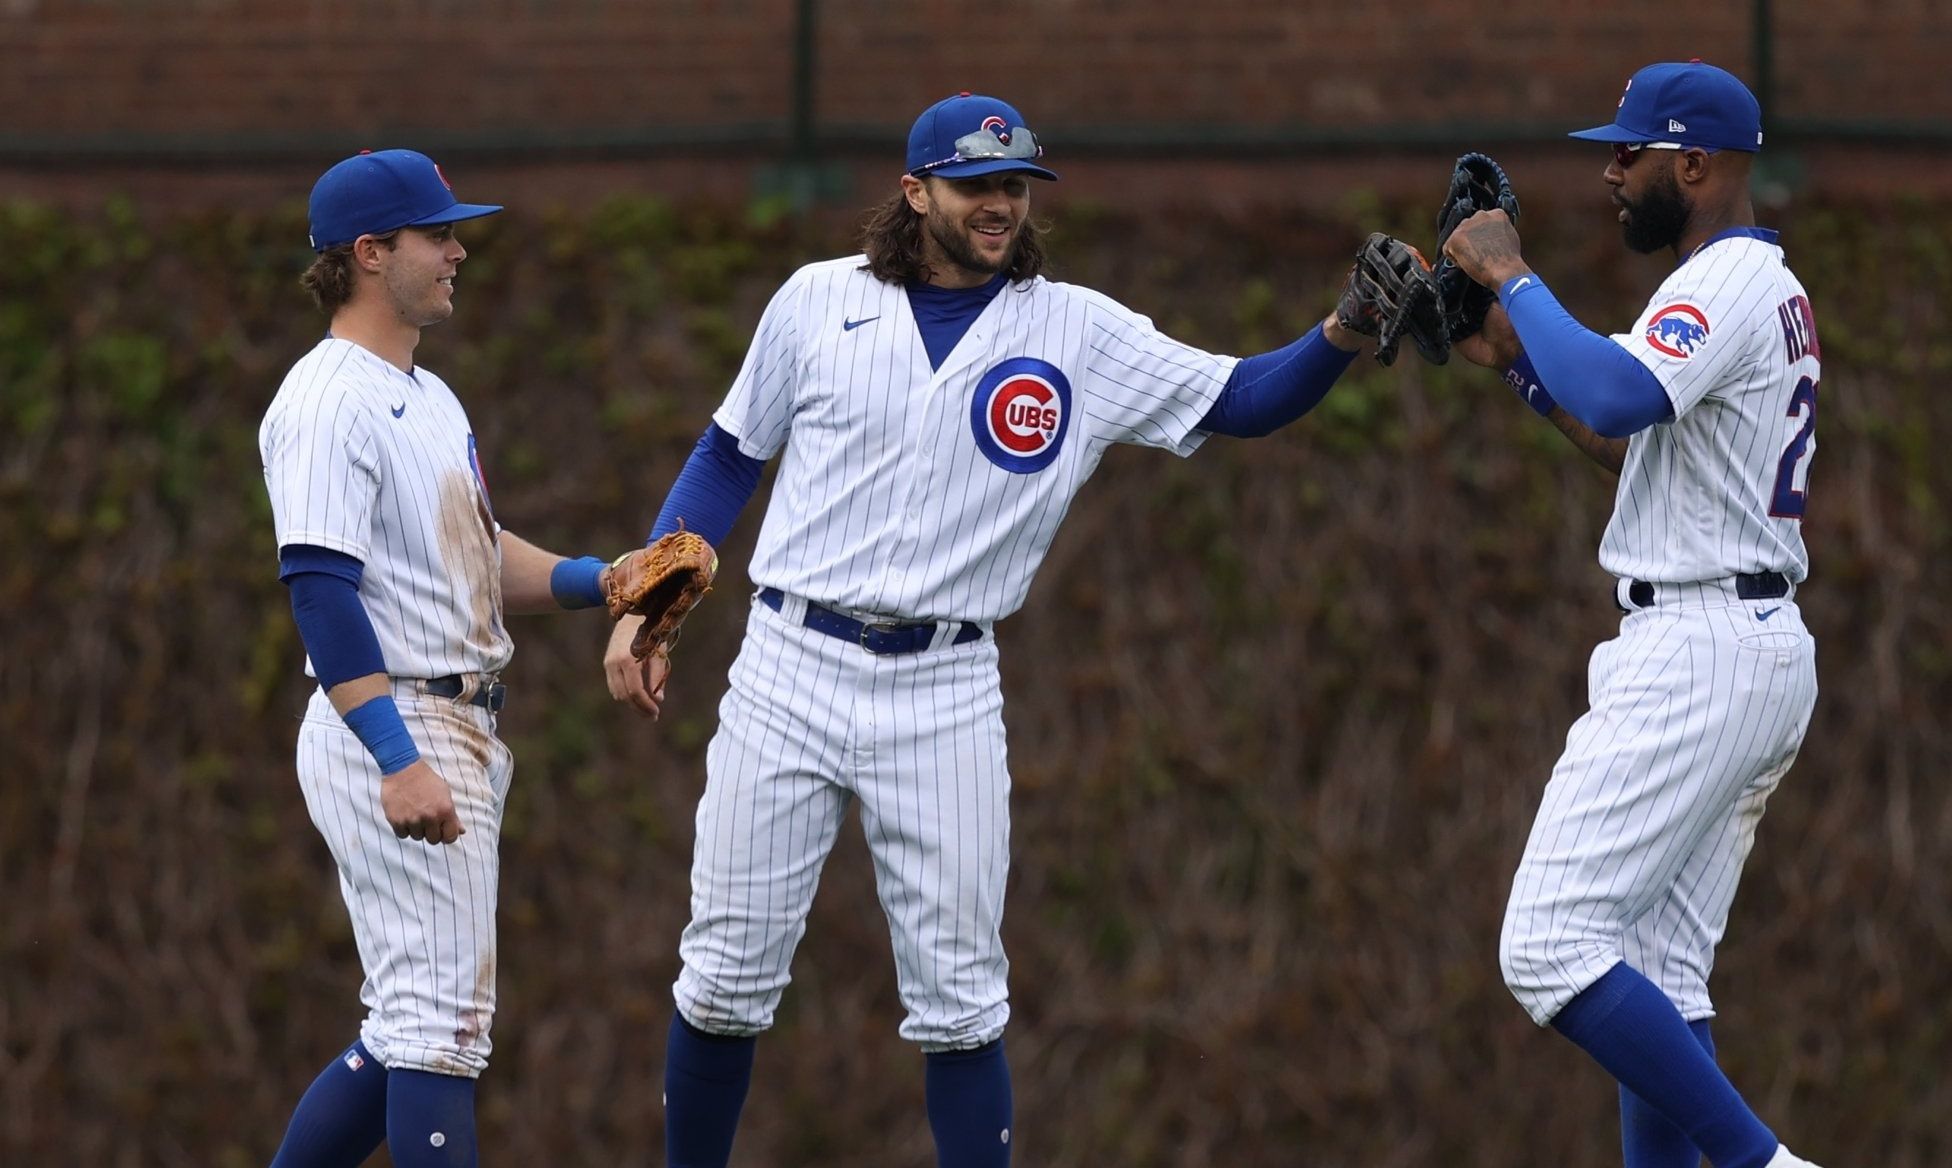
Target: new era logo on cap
point(374, 192)
point(1688, 102)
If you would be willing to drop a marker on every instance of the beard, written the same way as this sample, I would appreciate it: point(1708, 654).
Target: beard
point(1660, 217)
point(955, 245)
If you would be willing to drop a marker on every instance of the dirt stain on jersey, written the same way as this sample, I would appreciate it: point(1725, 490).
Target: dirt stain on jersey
point(472, 557)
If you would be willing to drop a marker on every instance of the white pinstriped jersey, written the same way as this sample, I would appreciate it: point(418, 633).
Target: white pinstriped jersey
point(1719, 490)
point(934, 494)
point(364, 459)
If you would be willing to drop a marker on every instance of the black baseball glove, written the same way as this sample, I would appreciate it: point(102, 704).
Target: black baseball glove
point(1477, 184)
point(1391, 293)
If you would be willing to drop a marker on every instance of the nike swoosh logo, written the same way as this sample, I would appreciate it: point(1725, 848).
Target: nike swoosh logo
point(851, 325)
point(400, 409)
point(1764, 614)
point(1522, 281)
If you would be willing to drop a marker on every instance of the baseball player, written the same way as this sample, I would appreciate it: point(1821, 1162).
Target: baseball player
point(936, 403)
point(1706, 408)
point(399, 579)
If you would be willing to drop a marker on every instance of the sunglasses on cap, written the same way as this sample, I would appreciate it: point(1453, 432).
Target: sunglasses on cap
point(986, 146)
point(1625, 152)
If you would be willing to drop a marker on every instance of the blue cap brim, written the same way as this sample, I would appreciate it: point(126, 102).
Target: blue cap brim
point(992, 166)
point(1611, 132)
point(454, 214)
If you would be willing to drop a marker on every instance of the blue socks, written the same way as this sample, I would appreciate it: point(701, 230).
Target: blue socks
point(706, 1076)
point(426, 1120)
point(1630, 1028)
point(1647, 1137)
point(342, 1116)
point(705, 1081)
point(969, 1107)
point(430, 1120)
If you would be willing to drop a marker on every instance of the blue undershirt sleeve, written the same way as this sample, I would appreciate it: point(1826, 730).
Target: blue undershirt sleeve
point(1591, 377)
point(1269, 390)
point(716, 483)
point(333, 624)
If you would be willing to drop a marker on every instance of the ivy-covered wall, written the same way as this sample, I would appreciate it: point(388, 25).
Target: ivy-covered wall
point(1279, 716)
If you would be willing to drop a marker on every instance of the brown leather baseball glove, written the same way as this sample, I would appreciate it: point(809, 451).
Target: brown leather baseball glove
point(661, 583)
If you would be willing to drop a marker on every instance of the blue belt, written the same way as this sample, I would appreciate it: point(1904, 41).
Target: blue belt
point(878, 637)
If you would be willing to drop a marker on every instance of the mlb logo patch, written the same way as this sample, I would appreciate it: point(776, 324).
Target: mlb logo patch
point(353, 1061)
point(1678, 330)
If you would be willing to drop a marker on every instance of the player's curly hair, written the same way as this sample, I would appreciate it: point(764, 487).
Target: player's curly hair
point(329, 279)
point(891, 236)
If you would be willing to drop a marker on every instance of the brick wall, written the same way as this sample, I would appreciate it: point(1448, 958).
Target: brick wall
point(230, 81)
point(270, 67)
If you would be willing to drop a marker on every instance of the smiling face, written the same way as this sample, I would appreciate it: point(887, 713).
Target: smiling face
point(419, 274)
point(969, 225)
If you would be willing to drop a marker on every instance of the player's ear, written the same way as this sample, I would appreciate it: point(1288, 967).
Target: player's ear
point(916, 191)
point(366, 252)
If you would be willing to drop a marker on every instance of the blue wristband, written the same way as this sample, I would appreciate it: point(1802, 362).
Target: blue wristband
point(1525, 381)
point(577, 583)
point(378, 726)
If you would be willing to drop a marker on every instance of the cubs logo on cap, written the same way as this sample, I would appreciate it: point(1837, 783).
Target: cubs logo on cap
point(970, 135)
point(1020, 413)
point(1678, 330)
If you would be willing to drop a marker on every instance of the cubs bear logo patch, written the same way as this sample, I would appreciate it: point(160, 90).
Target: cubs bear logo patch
point(1677, 330)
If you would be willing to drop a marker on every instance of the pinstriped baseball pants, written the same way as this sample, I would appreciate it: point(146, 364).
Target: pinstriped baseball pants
point(1698, 708)
point(423, 916)
point(809, 724)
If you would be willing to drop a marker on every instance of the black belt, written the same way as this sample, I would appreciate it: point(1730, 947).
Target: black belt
point(878, 637)
point(492, 696)
point(1748, 586)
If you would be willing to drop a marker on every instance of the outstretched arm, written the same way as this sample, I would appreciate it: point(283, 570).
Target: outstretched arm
point(715, 485)
point(1268, 391)
point(526, 574)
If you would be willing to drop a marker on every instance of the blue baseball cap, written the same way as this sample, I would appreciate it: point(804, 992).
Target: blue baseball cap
point(1687, 102)
point(374, 192)
point(969, 135)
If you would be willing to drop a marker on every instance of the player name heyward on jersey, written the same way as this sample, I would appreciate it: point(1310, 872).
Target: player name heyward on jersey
point(1719, 490)
point(343, 422)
